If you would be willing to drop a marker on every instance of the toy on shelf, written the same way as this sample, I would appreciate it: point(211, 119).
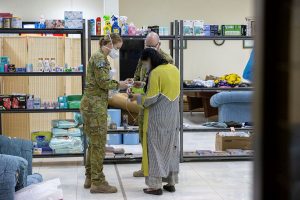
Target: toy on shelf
point(124, 26)
point(107, 26)
point(115, 27)
point(131, 29)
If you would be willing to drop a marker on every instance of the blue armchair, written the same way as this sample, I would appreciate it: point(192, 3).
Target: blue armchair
point(15, 166)
point(233, 106)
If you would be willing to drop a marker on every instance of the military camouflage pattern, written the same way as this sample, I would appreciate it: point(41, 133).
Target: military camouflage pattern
point(141, 72)
point(93, 109)
point(141, 75)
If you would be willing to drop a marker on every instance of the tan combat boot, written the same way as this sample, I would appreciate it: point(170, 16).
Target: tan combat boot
point(87, 183)
point(103, 188)
point(139, 173)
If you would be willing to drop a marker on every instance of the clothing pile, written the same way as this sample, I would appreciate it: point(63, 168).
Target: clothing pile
point(229, 80)
point(67, 137)
point(198, 83)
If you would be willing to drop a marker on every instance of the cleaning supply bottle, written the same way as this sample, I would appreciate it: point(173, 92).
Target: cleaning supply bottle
point(115, 27)
point(107, 26)
point(98, 26)
point(92, 26)
point(124, 26)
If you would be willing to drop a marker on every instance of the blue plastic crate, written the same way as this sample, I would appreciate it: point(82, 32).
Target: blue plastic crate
point(115, 139)
point(115, 115)
point(131, 138)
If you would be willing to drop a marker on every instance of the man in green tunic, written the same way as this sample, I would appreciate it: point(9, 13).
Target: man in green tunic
point(141, 74)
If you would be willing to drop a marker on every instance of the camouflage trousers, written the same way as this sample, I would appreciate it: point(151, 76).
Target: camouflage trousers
point(95, 128)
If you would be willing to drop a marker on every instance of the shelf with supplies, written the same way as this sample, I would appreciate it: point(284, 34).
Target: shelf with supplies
point(217, 89)
point(41, 74)
point(45, 31)
point(135, 37)
point(79, 72)
point(200, 92)
point(209, 129)
point(185, 37)
point(38, 110)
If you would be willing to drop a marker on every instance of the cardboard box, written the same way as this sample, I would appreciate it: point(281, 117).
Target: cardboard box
point(232, 142)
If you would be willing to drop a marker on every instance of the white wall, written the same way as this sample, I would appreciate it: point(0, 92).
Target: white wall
point(201, 58)
point(52, 9)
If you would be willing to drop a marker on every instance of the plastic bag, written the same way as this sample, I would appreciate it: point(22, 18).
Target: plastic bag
point(48, 190)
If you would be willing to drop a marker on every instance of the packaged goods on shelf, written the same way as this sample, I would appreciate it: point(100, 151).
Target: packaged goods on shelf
point(55, 24)
point(66, 144)
point(234, 30)
point(64, 124)
point(46, 134)
point(18, 101)
point(73, 15)
point(73, 24)
point(73, 132)
point(74, 101)
point(188, 27)
point(198, 27)
point(5, 102)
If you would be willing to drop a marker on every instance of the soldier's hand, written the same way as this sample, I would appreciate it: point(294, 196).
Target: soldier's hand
point(123, 85)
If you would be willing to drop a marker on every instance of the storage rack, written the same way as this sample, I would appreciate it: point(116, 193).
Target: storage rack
point(82, 74)
point(174, 52)
point(183, 157)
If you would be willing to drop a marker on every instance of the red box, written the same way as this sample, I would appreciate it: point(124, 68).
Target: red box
point(5, 102)
point(18, 102)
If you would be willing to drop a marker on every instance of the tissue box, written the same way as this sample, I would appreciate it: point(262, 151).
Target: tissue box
point(5, 102)
point(73, 24)
point(188, 27)
point(55, 23)
point(199, 27)
point(73, 15)
point(18, 102)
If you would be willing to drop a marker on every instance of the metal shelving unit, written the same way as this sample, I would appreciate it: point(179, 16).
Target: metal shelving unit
point(183, 157)
point(82, 74)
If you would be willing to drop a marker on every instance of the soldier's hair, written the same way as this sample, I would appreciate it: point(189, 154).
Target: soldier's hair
point(156, 59)
point(115, 38)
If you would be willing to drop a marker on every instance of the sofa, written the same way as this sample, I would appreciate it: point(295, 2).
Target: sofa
point(233, 106)
point(15, 166)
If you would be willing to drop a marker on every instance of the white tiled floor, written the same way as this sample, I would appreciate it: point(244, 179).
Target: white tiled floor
point(198, 181)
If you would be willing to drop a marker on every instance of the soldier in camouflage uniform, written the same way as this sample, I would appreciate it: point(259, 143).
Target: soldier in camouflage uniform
point(141, 74)
point(94, 111)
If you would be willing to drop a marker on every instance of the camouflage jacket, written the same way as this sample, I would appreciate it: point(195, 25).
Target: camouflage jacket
point(98, 79)
point(141, 72)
